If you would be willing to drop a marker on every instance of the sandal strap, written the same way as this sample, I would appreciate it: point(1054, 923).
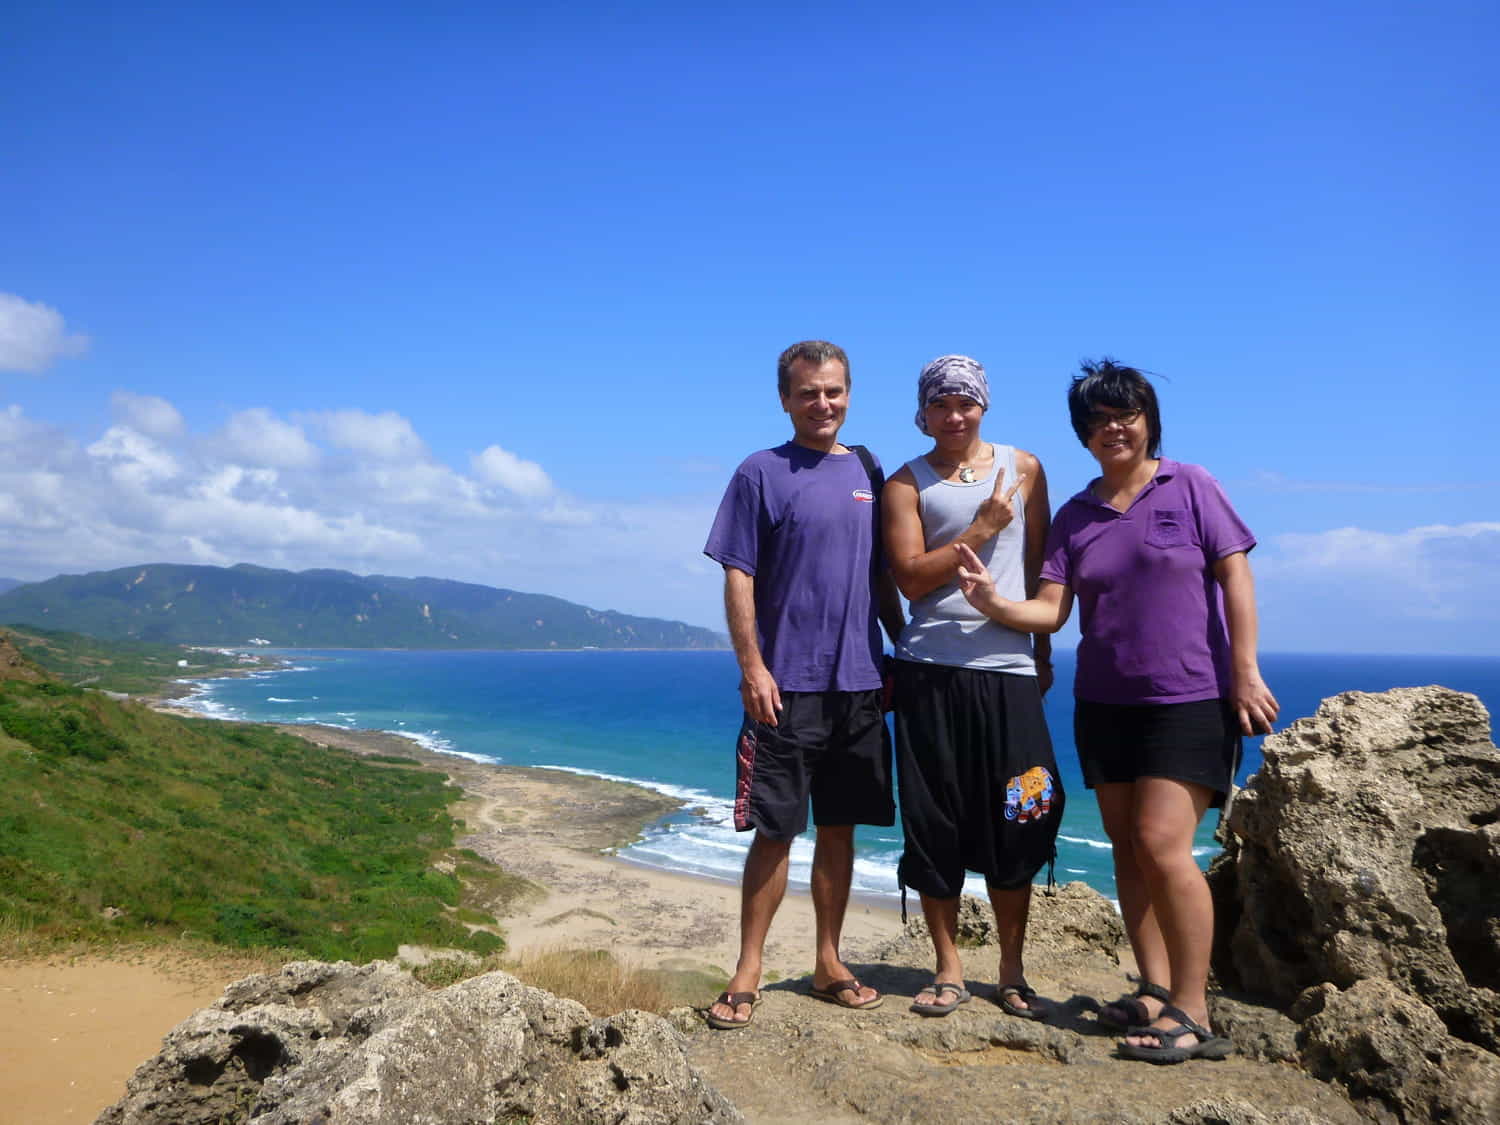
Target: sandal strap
point(1162, 1034)
point(938, 987)
point(735, 999)
point(1144, 987)
point(1186, 1023)
point(848, 984)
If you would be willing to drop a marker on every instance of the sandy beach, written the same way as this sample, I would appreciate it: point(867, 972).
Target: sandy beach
point(72, 1030)
point(559, 829)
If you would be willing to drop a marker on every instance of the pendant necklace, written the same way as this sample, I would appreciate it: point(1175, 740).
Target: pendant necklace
point(967, 474)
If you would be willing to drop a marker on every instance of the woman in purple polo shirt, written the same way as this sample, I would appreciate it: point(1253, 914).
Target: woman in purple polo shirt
point(1167, 682)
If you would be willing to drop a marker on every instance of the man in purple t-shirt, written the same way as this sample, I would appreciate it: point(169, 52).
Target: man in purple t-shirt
point(798, 536)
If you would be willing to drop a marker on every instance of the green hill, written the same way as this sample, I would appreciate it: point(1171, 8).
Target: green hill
point(119, 822)
point(134, 667)
point(172, 603)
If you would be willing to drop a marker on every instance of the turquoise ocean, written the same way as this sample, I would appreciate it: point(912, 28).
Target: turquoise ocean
point(668, 720)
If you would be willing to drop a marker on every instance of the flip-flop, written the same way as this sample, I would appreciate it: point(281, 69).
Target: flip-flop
point(734, 1000)
point(939, 989)
point(1036, 1009)
point(1128, 1012)
point(1209, 1045)
point(835, 992)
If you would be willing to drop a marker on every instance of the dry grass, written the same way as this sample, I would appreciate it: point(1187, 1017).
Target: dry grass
point(596, 979)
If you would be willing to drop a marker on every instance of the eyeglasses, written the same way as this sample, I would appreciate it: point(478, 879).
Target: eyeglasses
point(1099, 419)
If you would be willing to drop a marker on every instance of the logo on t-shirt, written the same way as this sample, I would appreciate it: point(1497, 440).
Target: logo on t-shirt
point(864, 496)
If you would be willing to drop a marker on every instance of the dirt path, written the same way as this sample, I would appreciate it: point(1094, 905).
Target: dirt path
point(73, 1030)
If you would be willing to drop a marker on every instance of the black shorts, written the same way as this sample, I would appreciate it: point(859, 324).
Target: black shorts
point(979, 785)
point(1198, 743)
point(832, 746)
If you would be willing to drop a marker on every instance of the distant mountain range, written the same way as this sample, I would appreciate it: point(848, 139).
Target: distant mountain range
point(171, 603)
point(10, 583)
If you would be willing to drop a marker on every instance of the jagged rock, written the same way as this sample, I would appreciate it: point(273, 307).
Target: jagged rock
point(1395, 1058)
point(368, 1045)
point(966, 1032)
point(1258, 1032)
point(1071, 918)
point(1233, 1111)
point(1368, 847)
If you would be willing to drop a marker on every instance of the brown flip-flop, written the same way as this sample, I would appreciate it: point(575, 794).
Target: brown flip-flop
point(734, 1000)
point(837, 990)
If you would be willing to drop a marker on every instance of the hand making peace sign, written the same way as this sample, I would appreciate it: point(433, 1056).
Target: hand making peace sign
point(998, 509)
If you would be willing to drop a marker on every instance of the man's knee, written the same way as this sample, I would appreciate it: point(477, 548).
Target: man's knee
point(765, 845)
point(835, 833)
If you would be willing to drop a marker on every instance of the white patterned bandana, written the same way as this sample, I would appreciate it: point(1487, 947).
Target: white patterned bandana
point(950, 375)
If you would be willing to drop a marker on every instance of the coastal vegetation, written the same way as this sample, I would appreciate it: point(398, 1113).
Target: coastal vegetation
point(211, 605)
point(131, 667)
point(121, 823)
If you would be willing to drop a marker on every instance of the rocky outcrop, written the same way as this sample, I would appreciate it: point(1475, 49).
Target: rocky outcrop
point(1071, 920)
point(1394, 1056)
point(1362, 862)
point(368, 1045)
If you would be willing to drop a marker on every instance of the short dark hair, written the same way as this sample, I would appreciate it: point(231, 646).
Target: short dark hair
point(1104, 382)
point(815, 352)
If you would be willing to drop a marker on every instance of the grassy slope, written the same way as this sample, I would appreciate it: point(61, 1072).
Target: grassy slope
point(235, 833)
point(136, 667)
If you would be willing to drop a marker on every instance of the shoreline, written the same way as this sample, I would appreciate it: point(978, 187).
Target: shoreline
point(519, 817)
point(561, 830)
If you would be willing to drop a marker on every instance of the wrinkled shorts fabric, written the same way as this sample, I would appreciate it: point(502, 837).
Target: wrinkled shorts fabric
point(832, 747)
point(978, 780)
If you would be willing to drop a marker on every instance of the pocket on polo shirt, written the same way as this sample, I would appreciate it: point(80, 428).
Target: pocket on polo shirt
point(1170, 527)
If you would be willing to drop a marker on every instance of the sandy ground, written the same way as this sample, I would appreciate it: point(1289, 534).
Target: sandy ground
point(72, 1031)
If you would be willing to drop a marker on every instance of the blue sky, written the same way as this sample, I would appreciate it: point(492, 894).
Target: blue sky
point(495, 292)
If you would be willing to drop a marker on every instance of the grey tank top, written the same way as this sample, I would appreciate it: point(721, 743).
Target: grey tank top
point(944, 628)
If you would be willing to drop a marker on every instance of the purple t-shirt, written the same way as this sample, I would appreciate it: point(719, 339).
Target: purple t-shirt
point(1151, 613)
point(802, 523)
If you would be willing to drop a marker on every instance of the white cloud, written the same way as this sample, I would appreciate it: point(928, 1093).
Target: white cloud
point(1352, 589)
point(347, 489)
point(1435, 562)
point(500, 467)
point(258, 437)
point(386, 436)
point(133, 457)
point(147, 414)
point(33, 336)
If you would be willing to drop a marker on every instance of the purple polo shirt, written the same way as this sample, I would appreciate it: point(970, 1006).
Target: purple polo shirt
point(803, 524)
point(1151, 613)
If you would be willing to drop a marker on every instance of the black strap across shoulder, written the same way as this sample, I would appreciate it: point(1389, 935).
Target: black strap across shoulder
point(877, 478)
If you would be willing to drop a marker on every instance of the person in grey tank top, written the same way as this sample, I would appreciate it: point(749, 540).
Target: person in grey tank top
point(979, 785)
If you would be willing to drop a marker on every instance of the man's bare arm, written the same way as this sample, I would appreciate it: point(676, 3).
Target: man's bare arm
point(892, 615)
point(758, 690)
